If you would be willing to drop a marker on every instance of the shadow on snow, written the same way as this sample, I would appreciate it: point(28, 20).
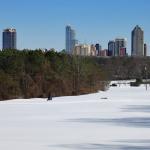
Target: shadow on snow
point(93, 146)
point(141, 122)
point(137, 108)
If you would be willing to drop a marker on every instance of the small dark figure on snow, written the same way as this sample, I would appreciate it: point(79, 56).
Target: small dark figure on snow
point(49, 97)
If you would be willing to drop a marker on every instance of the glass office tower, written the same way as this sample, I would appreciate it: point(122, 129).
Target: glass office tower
point(9, 39)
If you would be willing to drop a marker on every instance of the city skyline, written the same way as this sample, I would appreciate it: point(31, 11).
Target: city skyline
point(42, 25)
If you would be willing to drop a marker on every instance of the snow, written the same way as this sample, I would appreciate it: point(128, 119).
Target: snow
point(118, 119)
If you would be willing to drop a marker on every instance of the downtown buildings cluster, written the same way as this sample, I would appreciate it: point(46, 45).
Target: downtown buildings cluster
point(117, 47)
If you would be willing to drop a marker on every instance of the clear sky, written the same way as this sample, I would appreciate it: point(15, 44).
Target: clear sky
point(41, 23)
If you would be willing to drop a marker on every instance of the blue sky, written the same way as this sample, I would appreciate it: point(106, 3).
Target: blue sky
point(41, 23)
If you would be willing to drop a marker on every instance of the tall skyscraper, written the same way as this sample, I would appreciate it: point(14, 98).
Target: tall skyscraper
point(9, 39)
point(70, 40)
point(119, 44)
point(137, 42)
point(111, 48)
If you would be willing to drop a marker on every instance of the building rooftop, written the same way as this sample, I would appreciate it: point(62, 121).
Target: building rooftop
point(9, 30)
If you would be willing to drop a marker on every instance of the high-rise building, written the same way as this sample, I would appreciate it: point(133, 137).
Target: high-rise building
point(98, 49)
point(137, 42)
point(104, 53)
point(9, 39)
point(119, 44)
point(93, 50)
point(70, 40)
point(111, 48)
point(82, 50)
point(123, 52)
point(145, 49)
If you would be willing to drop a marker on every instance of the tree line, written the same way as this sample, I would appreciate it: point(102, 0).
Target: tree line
point(124, 68)
point(34, 73)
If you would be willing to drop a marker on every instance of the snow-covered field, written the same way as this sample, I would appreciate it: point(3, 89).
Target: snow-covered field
point(118, 119)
